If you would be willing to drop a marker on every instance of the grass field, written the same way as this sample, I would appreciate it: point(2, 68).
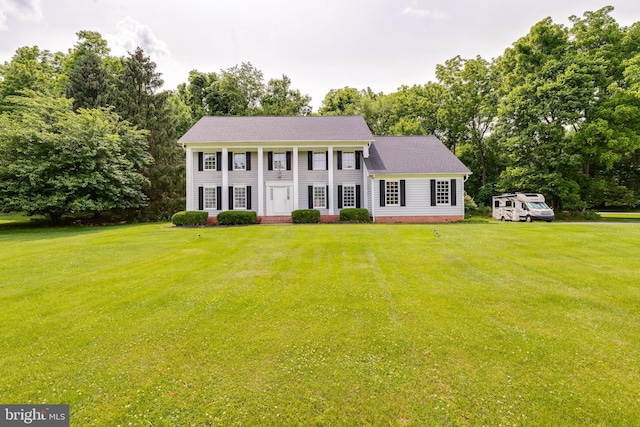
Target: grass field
point(487, 324)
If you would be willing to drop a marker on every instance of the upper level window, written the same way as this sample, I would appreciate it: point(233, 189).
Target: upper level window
point(319, 160)
point(209, 161)
point(239, 161)
point(392, 193)
point(349, 160)
point(279, 161)
point(442, 192)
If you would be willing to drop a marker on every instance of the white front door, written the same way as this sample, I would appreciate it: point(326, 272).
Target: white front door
point(279, 200)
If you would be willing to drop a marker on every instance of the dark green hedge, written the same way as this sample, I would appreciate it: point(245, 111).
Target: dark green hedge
point(237, 218)
point(305, 216)
point(355, 215)
point(189, 218)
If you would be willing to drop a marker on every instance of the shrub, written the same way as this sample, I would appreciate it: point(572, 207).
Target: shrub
point(306, 216)
point(592, 215)
point(355, 215)
point(237, 218)
point(189, 218)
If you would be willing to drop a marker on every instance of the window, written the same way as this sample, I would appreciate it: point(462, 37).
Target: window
point(210, 201)
point(319, 196)
point(442, 192)
point(349, 196)
point(239, 161)
point(240, 197)
point(209, 161)
point(349, 160)
point(319, 161)
point(392, 193)
point(279, 161)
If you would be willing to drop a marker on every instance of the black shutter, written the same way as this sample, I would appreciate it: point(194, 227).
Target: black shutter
point(339, 160)
point(219, 198)
point(200, 161)
point(200, 198)
point(230, 198)
point(270, 160)
point(288, 160)
point(326, 198)
point(248, 160)
point(339, 195)
point(433, 192)
point(453, 192)
point(219, 161)
point(358, 196)
point(403, 193)
point(311, 197)
point(230, 161)
point(248, 197)
point(326, 160)
point(310, 160)
point(358, 157)
point(382, 193)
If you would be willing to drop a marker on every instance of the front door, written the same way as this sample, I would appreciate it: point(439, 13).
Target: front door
point(279, 200)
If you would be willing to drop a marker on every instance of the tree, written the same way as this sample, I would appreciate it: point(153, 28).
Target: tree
point(54, 161)
point(341, 102)
point(30, 69)
point(138, 100)
point(90, 71)
point(467, 113)
point(280, 100)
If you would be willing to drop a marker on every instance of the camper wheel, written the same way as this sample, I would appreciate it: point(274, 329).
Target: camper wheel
point(529, 218)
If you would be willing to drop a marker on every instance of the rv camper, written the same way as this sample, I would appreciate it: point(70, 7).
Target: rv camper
point(521, 207)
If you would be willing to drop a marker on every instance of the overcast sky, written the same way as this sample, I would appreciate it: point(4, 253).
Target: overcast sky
point(319, 44)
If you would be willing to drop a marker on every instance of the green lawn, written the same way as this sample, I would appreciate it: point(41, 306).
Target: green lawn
point(488, 324)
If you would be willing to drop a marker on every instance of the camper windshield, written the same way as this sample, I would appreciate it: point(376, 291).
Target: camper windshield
point(538, 205)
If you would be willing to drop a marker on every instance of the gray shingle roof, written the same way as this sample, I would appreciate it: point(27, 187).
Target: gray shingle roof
point(265, 129)
point(412, 155)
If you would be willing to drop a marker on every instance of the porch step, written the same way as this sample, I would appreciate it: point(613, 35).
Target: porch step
point(286, 219)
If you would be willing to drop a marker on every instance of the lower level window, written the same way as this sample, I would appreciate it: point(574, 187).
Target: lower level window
point(442, 192)
point(320, 196)
point(392, 193)
point(240, 197)
point(210, 197)
point(349, 196)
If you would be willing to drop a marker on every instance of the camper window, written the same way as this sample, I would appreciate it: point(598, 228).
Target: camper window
point(496, 204)
point(508, 203)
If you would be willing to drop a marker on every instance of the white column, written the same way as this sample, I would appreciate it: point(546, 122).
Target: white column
point(225, 179)
point(190, 172)
point(294, 166)
point(365, 185)
point(330, 195)
point(260, 182)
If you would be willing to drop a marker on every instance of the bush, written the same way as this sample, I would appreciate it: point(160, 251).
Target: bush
point(237, 218)
point(355, 215)
point(306, 216)
point(592, 215)
point(189, 218)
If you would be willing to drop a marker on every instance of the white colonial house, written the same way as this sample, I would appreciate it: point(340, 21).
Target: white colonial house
point(275, 165)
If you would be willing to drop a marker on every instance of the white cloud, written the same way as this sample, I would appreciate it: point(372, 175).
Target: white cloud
point(23, 10)
point(132, 34)
point(416, 11)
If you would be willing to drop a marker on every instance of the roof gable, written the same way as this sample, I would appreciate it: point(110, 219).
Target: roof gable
point(412, 155)
point(269, 129)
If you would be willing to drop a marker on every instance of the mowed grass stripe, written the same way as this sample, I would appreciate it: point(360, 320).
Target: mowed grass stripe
point(335, 324)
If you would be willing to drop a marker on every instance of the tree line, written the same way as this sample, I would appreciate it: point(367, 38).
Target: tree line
point(559, 113)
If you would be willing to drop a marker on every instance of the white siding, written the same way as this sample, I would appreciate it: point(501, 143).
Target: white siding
point(418, 198)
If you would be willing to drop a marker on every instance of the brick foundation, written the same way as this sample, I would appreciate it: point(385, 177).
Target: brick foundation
point(212, 220)
point(417, 219)
point(329, 219)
